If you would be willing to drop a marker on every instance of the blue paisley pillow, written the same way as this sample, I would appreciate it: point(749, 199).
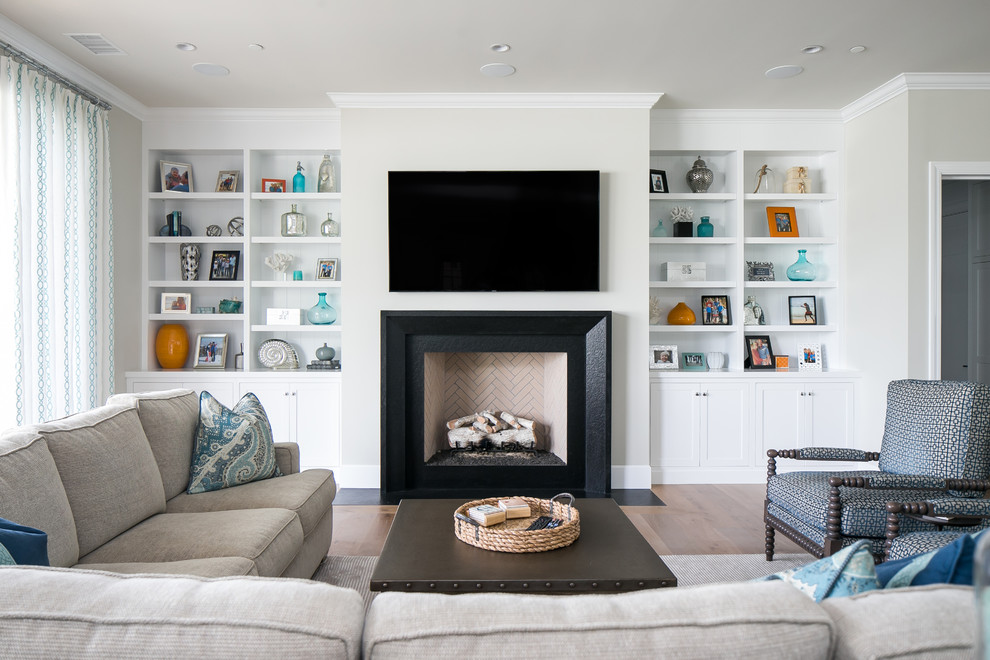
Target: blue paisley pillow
point(233, 447)
point(848, 572)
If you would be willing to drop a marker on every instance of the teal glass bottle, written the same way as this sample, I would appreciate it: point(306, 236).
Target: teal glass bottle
point(299, 180)
point(705, 229)
point(801, 270)
point(321, 313)
point(659, 230)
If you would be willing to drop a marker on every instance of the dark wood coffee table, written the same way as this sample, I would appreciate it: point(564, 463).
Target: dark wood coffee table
point(421, 553)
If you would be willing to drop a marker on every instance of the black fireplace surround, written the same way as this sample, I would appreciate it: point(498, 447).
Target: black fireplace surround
point(585, 337)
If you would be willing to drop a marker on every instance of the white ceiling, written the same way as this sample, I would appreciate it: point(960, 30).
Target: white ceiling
point(698, 53)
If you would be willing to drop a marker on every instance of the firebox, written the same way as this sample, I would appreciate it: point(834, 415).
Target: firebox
point(492, 403)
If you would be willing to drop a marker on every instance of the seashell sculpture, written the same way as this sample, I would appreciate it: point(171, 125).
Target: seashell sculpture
point(277, 354)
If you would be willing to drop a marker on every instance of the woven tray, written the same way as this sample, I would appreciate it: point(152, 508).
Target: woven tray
point(512, 536)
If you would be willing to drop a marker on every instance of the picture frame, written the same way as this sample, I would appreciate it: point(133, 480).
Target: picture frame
point(273, 185)
point(782, 221)
point(211, 351)
point(658, 181)
point(715, 310)
point(759, 352)
point(802, 310)
point(176, 177)
point(326, 269)
point(663, 357)
point(176, 303)
point(810, 357)
point(759, 271)
point(227, 180)
point(225, 264)
point(693, 362)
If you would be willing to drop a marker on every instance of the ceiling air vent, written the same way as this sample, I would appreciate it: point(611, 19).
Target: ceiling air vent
point(95, 43)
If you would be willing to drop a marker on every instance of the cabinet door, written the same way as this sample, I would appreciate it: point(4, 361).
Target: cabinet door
point(674, 424)
point(726, 421)
point(278, 399)
point(779, 416)
point(829, 408)
point(318, 424)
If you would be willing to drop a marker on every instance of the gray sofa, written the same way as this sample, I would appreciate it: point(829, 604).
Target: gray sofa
point(108, 487)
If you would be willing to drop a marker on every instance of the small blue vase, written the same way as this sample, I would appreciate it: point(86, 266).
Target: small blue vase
point(706, 229)
point(659, 230)
point(321, 313)
point(801, 270)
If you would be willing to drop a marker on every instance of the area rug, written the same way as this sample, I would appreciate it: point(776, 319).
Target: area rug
point(691, 570)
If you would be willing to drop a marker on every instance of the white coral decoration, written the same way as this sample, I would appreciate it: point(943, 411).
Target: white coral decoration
point(681, 213)
point(279, 261)
point(655, 317)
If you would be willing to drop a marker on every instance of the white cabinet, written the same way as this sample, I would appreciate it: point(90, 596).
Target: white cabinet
point(700, 423)
point(305, 413)
point(809, 413)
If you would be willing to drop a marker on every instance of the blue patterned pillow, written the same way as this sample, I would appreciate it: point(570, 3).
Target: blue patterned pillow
point(5, 558)
point(848, 572)
point(232, 447)
point(24, 545)
point(950, 564)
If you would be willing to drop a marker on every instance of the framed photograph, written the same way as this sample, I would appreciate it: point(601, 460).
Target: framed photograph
point(176, 303)
point(176, 177)
point(211, 351)
point(715, 310)
point(693, 362)
point(224, 265)
point(759, 271)
point(658, 181)
point(782, 221)
point(802, 310)
point(782, 362)
point(759, 352)
point(810, 357)
point(227, 180)
point(273, 185)
point(326, 269)
point(663, 357)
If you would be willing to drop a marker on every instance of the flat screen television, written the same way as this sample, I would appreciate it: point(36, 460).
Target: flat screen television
point(493, 231)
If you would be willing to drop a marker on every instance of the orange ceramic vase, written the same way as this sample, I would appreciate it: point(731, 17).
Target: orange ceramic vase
point(681, 315)
point(172, 346)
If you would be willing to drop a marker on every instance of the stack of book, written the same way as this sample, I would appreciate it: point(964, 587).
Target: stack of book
point(486, 515)
point(514, 507)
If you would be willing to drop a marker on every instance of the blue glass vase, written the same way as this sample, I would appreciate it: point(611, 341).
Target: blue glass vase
point(321, 313)
point(705, 229)
point(659, 230)
point(801, 270)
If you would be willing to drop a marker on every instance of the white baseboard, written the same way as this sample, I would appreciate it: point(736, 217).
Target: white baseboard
point(357, 476)
point(631, 476)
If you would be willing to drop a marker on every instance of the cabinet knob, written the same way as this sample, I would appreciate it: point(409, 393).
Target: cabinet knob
point(286, 394)
point(704, 394)
point(697, 393)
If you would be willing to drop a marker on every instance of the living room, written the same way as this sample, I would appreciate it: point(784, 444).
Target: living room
point(884, 138)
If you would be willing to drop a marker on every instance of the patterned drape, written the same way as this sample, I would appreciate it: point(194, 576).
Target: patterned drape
point(56, 228)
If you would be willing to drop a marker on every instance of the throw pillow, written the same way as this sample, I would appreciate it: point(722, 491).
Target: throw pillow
point(950, 564)
point(5, 558)
point(24, 545)
point(848, 572)
point(232, 447)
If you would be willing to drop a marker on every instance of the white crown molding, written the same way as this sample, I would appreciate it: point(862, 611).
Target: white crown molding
point(483, 100)
point(242, 114)
point(907, 82)
point(65, 66)
point(718, 116)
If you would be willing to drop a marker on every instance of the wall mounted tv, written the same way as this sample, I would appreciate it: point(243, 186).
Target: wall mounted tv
point(493, 231)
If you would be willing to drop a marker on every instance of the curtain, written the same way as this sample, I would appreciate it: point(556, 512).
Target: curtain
point(56, 225)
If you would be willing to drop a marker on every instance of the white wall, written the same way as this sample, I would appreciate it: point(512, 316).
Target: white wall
point(613, 141)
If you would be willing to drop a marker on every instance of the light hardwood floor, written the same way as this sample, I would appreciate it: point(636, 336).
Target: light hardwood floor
point(698, 520)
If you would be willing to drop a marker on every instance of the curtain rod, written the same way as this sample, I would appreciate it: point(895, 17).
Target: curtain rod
point(23, 58)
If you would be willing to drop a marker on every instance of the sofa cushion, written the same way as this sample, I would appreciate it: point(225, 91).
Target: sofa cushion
point(169, 419)
point(268, 537)
point(206, 567)
point(31, 493)
point(309, 494)
point(63, 613)
point(25, 545)
point(847, 572)
point(936, 621)
point(232, 447)
point(744, 620)
point(108, 470)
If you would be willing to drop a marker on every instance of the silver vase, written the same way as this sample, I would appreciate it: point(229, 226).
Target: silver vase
point(189, 254)
point(699, 177)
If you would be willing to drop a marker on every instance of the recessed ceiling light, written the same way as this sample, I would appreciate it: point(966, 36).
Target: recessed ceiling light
point(785, 71)
point(500, 48)
point(208, 69)
point(855, 50)
point(256, 47)
point(811, 50)
point(185, 45)
point(498, 70)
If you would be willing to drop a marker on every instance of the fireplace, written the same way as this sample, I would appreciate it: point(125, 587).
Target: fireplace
point(550, 371)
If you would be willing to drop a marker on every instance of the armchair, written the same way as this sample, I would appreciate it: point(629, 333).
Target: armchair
point(936, 445)
point(950, 517)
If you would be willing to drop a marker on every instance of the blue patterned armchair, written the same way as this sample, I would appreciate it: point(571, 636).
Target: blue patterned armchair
point(936, 446)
